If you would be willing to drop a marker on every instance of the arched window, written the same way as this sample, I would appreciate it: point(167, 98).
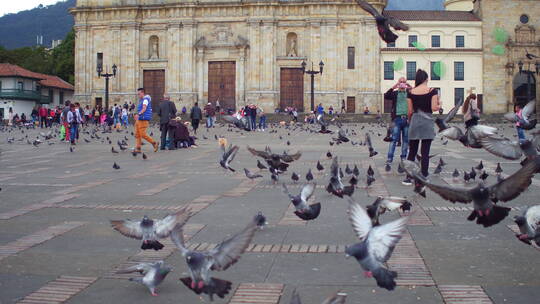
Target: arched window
point(292, 45)
point(153, 47)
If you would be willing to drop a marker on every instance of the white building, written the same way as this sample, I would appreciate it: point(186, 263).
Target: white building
point(22, 90)
point(453, 38)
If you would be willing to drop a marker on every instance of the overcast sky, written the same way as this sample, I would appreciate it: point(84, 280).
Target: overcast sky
point(13, 6)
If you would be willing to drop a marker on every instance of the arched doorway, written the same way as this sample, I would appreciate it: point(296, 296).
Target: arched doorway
point(520, 87)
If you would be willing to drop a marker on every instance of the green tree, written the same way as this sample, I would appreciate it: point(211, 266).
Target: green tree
point(63, 58)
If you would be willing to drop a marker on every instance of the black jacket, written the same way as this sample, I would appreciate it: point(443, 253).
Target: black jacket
point(196, 113)
point(166, 111)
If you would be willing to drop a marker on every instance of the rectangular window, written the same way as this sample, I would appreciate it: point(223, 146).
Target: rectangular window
point(0, 87)
point(433, 75)
point(435, 41)
point(350, 58)
point(411, 70)
point(459, 70)
point(460, 41)
point(388, 70)
point(412, 39)
point(20, 85)
point(459, 95)
point(61, 97)
point(391, 44)
point(99, 62)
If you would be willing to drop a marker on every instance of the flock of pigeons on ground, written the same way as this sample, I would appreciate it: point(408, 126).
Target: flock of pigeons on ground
point(377, 241)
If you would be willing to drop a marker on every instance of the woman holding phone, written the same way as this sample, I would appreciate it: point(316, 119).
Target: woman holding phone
point(424, 99)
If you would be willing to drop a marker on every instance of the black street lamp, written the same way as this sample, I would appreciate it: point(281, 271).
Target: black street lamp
point(106, 75)
point(312, 72)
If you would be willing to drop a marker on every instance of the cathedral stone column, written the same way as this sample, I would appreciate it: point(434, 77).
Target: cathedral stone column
point(189, 76)
point(241, 76)
point(81, 73)
point(200, 74)
point(174, 58)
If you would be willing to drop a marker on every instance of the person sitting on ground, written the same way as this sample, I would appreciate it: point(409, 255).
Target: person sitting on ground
point(179, 134)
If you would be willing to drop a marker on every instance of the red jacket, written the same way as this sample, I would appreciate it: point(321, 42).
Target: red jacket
point(42, 112)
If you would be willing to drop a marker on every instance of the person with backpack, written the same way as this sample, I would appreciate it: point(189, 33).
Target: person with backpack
point(142, 120)
point(166, 112)
point(74, 120)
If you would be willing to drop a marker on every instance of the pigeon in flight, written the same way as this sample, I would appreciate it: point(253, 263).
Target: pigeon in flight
point(483, 197)
point(382, 204)
point(227, 156)
point(149, 231)
point(384, 22)
point(337, 298)
point(251, 175)
point(224, 255)
point(154, 274)
point(525, 122)
point(303, 210)
point(335, 185)
point(529, 225)
point(376, 244)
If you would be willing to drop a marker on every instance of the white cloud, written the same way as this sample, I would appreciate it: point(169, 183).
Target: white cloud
point(9, 6)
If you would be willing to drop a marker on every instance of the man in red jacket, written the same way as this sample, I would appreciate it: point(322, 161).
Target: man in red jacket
point(42, 116)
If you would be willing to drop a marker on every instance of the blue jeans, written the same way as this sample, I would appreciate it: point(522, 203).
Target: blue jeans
point(262, 122)
point(401, 128)
point(73, 130)
point(253, 123)
point(521, 134)
point(209, 121)
point(125, 120)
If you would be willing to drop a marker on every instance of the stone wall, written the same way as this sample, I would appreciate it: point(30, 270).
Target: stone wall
point(498, 91)
point(253, 34)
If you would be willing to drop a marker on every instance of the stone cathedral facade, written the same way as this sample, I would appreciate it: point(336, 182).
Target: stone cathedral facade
point(234, 51)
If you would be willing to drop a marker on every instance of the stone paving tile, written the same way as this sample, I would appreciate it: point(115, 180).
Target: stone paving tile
point(257, 293)
point(46, 203)
point(464, 294)
point(161, 187)
point(59, 290)
point(409, 264)
point(36, 238)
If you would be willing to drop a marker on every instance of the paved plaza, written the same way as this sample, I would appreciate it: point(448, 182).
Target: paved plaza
point(57, 245)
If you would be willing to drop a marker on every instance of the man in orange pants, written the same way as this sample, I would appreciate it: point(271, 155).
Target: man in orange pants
point(142, 120)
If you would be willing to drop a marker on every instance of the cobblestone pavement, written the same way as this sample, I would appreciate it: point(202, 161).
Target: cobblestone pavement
point(56, 244)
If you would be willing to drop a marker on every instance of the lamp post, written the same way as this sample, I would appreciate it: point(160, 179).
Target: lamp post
point(106, 75)
point(312, 72)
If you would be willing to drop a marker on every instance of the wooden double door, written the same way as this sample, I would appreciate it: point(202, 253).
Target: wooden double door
point(154, 85)
point(222, 84)
point(292, 89)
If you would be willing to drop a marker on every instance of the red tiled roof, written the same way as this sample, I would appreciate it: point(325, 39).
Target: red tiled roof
point(7, 70)
point(433, 15)
point(56, 82)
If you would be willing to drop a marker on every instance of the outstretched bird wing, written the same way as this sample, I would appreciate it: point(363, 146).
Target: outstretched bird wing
point(230, 154)
point(359, 219)
point(262, 154)
point(142, 268)
point(382, 239)
point(289, 158)
point(502, 147)
point(512, 186)
point(307, 192)
point(449, 193)
point(177, 237)
point(528, 109)
point(369, 8)
point(164, 226)
point(337, 298)
point(128, 228)
point(228, 252)
point(453, 112)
